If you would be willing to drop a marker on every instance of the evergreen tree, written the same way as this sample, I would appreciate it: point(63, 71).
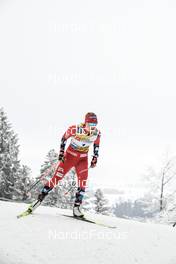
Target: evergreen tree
point(23, 184)
point(47, 171)
point(123, 209)
point(101, 203)
point(51, 159)
point(88, 201)
point(132, 209)
point(9, 163)
point(63, 193)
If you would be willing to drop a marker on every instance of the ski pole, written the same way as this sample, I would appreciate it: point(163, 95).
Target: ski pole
point(74, 186)
point(42, 176)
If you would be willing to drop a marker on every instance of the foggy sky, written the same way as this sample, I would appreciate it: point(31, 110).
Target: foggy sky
point(62, 59)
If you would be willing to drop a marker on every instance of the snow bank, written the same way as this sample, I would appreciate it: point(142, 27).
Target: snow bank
point(47, 237)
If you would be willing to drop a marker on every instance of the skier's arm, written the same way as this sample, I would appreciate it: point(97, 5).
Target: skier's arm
point(96, 145)
point(62, 148)
point(71, 131)
point(95, 151)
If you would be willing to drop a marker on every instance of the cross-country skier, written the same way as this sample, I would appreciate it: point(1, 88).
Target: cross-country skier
point(76, 155)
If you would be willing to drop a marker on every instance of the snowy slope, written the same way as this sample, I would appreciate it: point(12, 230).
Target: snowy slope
point(47, 237)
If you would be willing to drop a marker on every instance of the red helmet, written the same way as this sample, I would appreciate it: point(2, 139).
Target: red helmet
point(91, 118)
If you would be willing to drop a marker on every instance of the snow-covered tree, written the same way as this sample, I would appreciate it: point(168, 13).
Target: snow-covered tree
point(9, 162)
point(46, 173)
point(123, 209)
point(101, 203)
point(132, 209)
point(22, 184)
point(64, 193)
point(88, 201)
point(162, 183)
point(48, 166)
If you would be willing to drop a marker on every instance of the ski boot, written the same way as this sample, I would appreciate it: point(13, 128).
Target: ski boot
point(77, 212)
point(36, 204)
point(41, 197)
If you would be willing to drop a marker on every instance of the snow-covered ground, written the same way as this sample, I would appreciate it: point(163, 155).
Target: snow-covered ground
point(47, 237)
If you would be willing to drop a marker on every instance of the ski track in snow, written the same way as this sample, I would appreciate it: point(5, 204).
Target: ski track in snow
point(31, 239)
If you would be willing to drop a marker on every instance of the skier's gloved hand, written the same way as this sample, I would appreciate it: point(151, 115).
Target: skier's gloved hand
point(93, 162)
point(61, 155)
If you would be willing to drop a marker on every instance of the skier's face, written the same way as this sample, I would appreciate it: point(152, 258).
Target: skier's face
point(91, 126)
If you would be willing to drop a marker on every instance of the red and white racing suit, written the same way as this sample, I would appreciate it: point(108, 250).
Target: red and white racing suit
point(76, 154)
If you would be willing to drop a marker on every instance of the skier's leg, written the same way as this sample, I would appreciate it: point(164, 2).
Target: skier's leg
point(82, 174)
point(61, 170)
point(40, 198)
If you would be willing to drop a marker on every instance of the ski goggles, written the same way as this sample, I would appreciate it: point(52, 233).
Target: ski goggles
point(92, 124)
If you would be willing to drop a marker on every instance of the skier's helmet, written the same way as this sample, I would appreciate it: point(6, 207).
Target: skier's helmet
point(91, 118)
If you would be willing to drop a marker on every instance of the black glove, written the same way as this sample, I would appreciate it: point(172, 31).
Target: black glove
point(61, 155)
point(93, 162)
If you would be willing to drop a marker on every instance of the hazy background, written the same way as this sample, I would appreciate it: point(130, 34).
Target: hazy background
point(61, 59)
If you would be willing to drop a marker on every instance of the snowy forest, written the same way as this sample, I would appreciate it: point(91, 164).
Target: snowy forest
point(18, 184)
